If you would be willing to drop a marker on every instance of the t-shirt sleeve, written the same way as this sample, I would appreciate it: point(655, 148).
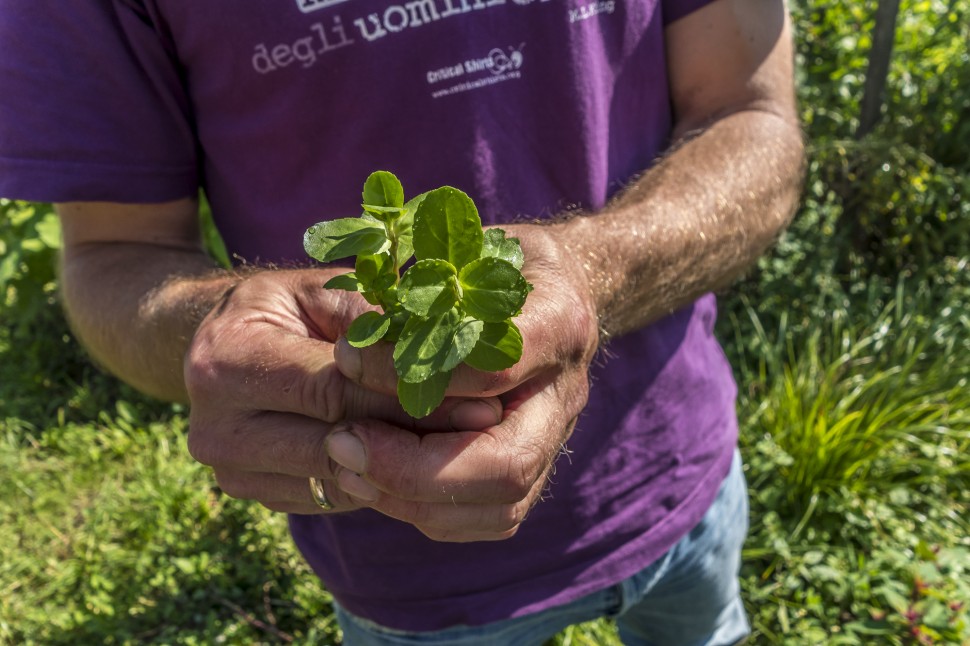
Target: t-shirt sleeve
point(676, 9)
point(93, 106)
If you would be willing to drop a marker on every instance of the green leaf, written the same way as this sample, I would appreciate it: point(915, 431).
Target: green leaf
point(336, 239)
point(399, 318)
point(367, 329)
point(464, 342)
point(496, 245)
point(387, 299)
point(447, 227)
point(375, 271)
point(403, 228)
point(419, 399)
point(383, 189)
point(492, 289)
point(423, 347)
point(347, 282)
point(499, 347)
point(412, 205)
point(429, 288)
point(383, 213)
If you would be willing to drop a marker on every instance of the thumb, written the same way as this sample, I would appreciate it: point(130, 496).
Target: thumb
point(372, 367)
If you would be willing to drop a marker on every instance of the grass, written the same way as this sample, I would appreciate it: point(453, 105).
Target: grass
point(855, 417)
point(116, 536)
point(857, 442)
point(865, 406)
point(855, 435)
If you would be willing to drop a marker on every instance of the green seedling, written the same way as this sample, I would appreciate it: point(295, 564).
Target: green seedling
point(454, 305)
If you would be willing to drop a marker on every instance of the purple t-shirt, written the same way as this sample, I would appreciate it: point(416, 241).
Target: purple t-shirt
point(280, 109)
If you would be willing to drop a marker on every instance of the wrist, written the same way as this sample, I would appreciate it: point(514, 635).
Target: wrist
point(564, 293)
point(585, 252)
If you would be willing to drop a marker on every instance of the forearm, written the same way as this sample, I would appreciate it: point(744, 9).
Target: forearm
point(693, 222)
point(136, 306)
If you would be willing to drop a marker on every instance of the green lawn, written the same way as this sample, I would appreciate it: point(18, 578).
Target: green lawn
point(857, 442)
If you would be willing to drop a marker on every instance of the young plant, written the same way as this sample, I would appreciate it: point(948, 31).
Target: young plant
point(454, 305)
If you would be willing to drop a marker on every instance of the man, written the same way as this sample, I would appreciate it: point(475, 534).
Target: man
point(470, 528)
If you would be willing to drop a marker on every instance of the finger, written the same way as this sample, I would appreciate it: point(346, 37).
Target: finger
point(271, 443)
point(451, 522)
point(292, 444)
point(283, 493)
point(553, 335)
point(286, 372)
point(500, 465)
point(274, 369)
point(280, 319)
point(373, 368)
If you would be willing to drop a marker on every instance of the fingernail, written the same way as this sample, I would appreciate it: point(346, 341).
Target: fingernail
point(473, 415)
point(347, 451)
point(354, 485)
point(348, 360)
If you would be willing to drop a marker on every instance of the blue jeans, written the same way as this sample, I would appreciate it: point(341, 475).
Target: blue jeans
point(688, 597)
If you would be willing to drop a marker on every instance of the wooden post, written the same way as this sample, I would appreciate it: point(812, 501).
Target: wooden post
point(882, 49)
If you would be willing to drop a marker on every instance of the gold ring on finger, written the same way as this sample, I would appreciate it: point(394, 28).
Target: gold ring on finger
point(320, 494)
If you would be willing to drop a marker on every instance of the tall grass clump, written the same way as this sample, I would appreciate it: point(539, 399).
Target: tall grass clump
point(866, 405)
point(856, 435)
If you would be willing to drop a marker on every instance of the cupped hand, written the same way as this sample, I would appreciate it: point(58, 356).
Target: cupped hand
point(267, 401)
point(479, 485)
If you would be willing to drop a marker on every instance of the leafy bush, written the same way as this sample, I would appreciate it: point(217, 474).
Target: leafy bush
point(851, 341)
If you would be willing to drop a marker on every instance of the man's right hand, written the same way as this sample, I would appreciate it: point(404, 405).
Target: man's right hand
point(266, 395)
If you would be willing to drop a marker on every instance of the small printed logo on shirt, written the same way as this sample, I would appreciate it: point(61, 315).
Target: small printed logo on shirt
point(306, 6)
point(502, 65)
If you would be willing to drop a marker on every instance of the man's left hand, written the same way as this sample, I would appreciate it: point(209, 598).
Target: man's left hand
point(472, 486)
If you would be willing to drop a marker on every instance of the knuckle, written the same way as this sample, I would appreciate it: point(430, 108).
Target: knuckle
point(518, 477)
point(200, 370)
point(211, 365)
point(203, 447)
point(406, 481)
point(496, 383)
point(582, 336)
point(509, 517)
point(278, 454)
point(318, 458)
point(324, 393)
point(358, 401)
